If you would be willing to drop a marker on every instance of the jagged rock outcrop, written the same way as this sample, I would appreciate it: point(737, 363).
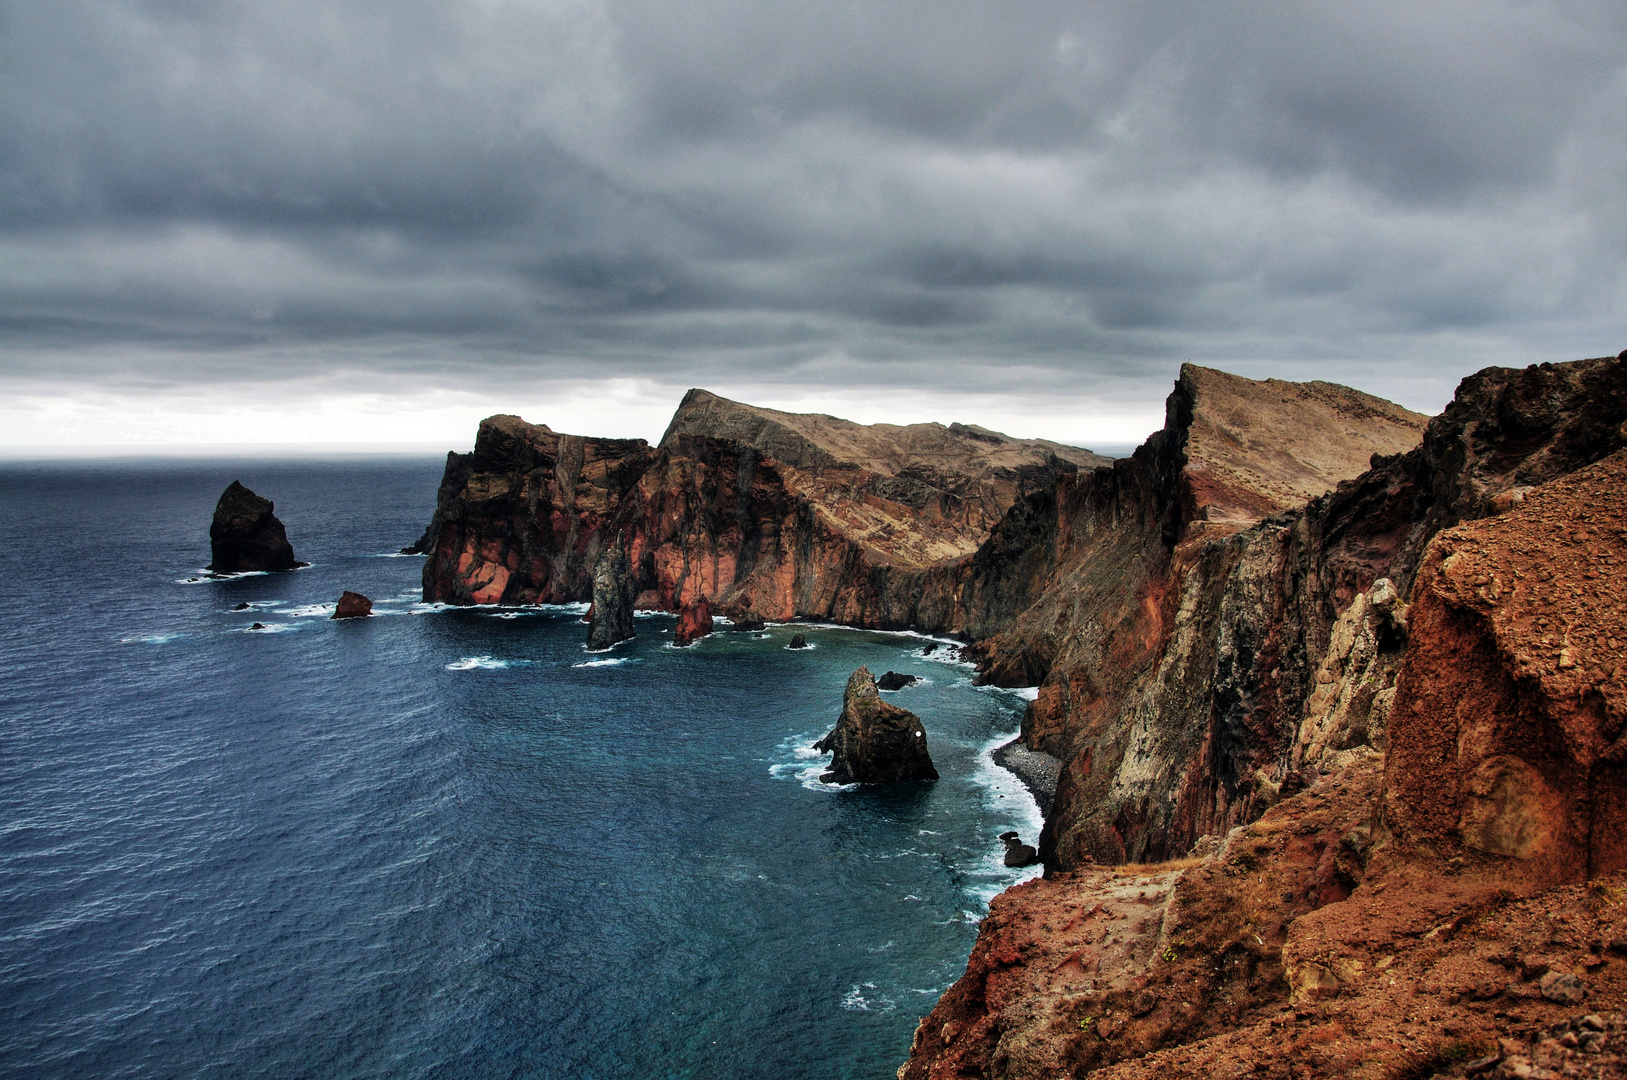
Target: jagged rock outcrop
point(1168, 702)
point(1509, 746)
point(1288, 948)
point(694, 622)
point(522, 519)
point(1405, 910)
point(614, 591)
point(875, 742)
point(352, 605)
point(765, 514)
point(747, 621)
point(799, 641)
point(894, 680)
point(245, 535)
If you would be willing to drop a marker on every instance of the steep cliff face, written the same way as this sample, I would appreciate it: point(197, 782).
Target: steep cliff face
point(1509, 736)
point(1173, 711)
point(1410, 908)
point(521, 520)
point(757, 511)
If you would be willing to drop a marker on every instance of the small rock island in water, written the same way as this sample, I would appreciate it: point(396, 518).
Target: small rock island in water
point(875, 742)
point(245, 535)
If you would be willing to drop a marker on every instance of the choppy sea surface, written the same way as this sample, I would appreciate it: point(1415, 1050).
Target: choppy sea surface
point(443, 843)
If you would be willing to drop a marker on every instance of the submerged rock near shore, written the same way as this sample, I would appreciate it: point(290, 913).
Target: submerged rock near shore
point(875, 742)
point(245, 535)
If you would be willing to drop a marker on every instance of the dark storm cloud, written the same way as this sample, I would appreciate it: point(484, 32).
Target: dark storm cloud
point(1079, 196)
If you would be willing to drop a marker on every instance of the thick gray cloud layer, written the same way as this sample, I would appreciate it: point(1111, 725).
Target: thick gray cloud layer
point(1039, 198)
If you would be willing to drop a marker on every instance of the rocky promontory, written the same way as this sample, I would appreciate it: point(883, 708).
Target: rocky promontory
point(245, 535)
point(1330, 694)
point(875, 742)
point(1437, 657)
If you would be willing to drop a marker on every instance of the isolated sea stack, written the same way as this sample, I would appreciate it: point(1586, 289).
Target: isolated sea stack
point(875, 742)
point(614, 592)
point(694, 622)
point(246, 535)
point(353, 605)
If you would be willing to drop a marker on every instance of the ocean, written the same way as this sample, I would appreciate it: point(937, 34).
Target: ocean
point(437, 842)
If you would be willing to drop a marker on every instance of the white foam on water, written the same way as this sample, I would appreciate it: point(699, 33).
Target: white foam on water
point(1014, 809)
point(864, 998)
point(805, 764)
point(151, 639)
point(1023, 693)
point(396, 555)
point(564, 609)
point(311, 611)
point(477, 663)
point(806, 646)
point(608, 662)
point(208, 576)
point(268, 628)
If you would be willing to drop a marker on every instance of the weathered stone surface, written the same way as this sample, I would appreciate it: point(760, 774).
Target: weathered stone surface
point(522, 519)
point(1176, 669)
point(1509, 729)
point(694, 622)
point(893, 680)
point(1281, 952)
point(245, 535)
point(614, 590)
point(875, 742)
point(799, 641)
point(352, 605)
point(747, 621)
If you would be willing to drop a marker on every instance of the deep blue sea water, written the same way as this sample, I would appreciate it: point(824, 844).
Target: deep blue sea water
point(442, 843)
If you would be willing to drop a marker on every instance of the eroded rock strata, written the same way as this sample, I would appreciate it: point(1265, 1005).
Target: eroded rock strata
point(245, 535)
point(1446, 903)
point(765, 514)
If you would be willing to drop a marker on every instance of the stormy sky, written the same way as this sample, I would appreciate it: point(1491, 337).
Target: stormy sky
point(288, 220)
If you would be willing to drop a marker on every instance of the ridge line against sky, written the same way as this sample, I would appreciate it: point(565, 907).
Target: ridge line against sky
point(296, 221)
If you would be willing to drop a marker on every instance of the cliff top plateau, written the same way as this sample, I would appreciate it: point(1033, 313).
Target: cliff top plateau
point(812, 440)
point(1253, 448)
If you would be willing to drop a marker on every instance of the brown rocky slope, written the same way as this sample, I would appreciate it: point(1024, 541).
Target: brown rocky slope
point(1489, 903)
point(1409, 909)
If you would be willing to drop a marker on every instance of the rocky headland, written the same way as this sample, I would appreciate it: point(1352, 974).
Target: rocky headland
point(1330, 694)
point(246, 536)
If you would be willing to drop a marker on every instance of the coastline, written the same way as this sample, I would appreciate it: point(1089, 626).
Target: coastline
point(1038, 771)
